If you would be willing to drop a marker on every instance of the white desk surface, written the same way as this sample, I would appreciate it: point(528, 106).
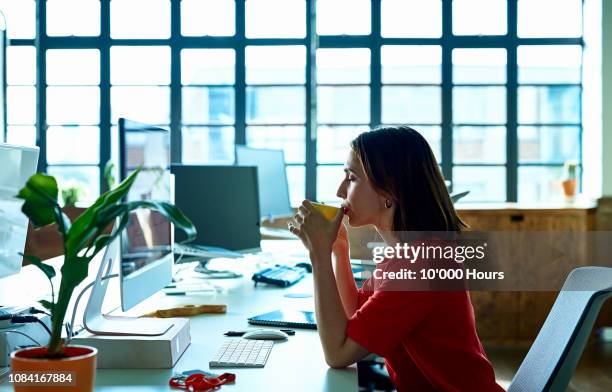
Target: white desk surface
point(296, 364)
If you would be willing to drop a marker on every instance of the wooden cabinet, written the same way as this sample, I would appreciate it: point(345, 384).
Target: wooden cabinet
point(507, 317)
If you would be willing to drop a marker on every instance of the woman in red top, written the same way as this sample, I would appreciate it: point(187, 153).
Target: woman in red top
point(428, 338)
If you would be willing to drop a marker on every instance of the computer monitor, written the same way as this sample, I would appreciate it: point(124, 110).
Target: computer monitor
point(146, 244)
point(222, 202)
point(274, 199)
point(18, 164)
point(144, 248)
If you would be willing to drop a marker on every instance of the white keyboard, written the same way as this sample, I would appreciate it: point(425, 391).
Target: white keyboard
point(246, 353)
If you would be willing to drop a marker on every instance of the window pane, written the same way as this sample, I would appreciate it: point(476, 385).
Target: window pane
point(275, 64)
point(73, 105)
point(210, 17)
point(208, 145)
point(484, 183)
point(296, 177)
point(479, 144)
point(433, 135)
point(73, 67)
point(328, 181)
point(203, 105)
point(479, 105)
point(478, 66)
point(549, 144)
point(61, 20)
point(411, 64)
point(338, 66)
point(20, 18)
point(132, 65)
point(21, 105)
point(276, 105)
point(425, 18)
point(549, 63)
point(411, 105)
point(21, 135)
point(207, 66)
point(540, 184)
point(85, 178)
point(21, 65)
point(342, 104)
point(290, 139)
point(333, 143)
point(553, 104)
point(61, 146)
point(140, 18)
point(479, 17)
point(150, 105)
point(275, 18)
point(534, 18)
point(343, 17)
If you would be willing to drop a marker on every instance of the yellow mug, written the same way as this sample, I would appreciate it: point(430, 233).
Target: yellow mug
point(328, 212)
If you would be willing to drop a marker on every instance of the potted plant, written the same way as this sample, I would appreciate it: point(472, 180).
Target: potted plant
point(570, 182)
point(83, 239)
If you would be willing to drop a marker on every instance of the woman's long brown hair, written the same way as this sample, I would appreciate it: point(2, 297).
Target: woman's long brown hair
point(399, 162)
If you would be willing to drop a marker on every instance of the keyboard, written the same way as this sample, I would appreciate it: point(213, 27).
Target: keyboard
point(280, 275)
point(244, 353)
point(203, 251)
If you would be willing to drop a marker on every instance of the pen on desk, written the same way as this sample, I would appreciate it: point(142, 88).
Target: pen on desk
point(189, 292)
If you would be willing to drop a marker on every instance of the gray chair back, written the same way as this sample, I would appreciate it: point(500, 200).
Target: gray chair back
point(552, 359)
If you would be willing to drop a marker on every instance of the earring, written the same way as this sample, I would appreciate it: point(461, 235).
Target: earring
point(388, 203)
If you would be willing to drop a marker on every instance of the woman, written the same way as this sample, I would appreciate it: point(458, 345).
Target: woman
point(428, 338)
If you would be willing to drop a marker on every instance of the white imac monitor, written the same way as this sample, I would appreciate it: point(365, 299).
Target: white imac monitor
point(144, 249)
point(146, 244)
point(17, 164)
point(274, 199)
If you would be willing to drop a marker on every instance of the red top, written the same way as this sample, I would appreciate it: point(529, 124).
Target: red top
point(428, 338)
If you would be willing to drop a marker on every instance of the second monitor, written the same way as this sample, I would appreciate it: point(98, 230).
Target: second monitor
point(222, 202)
point(274, 199)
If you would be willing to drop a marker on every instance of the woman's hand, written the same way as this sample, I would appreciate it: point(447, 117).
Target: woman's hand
point(341, 244)
point(317, 233)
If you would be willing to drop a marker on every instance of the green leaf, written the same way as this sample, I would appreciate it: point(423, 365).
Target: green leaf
point(50, 306)
point(74, 271)
point(84, 227)
point(48, 270)
point(40, 195)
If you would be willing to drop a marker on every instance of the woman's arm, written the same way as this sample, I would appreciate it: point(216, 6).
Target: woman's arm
point(319, 236)
point(344, 276)
point(339, 349)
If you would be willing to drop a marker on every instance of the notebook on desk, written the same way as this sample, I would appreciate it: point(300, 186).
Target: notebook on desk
point(286, 318)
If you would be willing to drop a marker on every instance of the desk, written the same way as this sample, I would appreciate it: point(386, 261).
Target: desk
point(296, 365)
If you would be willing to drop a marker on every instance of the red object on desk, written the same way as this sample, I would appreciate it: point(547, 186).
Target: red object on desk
point(200, 382)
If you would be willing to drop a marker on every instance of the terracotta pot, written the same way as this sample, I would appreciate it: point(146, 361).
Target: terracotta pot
point(80, 362)
point(569, 187)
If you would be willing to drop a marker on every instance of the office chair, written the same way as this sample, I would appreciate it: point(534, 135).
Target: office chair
point(552, 359)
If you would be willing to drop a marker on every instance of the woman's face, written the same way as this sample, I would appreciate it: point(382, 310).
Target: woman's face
point(363, 205)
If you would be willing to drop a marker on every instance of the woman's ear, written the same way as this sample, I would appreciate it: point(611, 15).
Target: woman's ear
point(386, 201)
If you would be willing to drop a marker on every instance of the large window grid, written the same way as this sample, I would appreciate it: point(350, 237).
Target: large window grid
point(316, 168)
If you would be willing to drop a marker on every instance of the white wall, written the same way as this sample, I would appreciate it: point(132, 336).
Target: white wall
point(606, 69)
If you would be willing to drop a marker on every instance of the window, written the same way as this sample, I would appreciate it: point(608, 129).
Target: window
point(497, 93)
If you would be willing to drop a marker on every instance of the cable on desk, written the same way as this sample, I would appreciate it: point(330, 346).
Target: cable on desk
point(21, 333)
point(29, 319)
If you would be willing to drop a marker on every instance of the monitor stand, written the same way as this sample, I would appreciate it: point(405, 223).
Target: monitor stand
point(98, 323)
point(127, 342)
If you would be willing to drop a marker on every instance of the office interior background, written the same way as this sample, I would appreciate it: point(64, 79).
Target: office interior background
point(506, 92)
